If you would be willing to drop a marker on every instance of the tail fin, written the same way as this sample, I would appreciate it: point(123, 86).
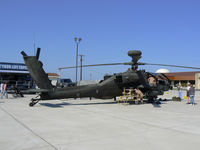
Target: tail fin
point(36, 71)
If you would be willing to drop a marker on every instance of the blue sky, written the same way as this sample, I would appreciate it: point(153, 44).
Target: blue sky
point(166, 31)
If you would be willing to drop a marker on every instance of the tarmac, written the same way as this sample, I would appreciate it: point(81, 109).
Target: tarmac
point(82, 124)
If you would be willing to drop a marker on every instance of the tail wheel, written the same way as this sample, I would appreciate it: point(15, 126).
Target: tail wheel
point(31, 104)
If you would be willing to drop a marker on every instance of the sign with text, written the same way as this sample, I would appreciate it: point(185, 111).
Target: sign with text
point(13, 66)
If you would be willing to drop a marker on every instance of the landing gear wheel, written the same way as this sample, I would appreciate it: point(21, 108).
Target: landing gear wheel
point(157, 101)
point(150, 100)
point(115, 99)
point(31, 104)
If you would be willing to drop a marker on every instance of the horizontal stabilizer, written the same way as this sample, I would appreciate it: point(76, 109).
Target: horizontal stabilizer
point(38, 90)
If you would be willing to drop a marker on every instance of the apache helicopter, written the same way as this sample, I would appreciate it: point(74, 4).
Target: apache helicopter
point(107, 88)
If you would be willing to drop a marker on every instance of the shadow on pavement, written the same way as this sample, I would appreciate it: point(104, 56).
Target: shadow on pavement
point(156, 105)
point(60, 105)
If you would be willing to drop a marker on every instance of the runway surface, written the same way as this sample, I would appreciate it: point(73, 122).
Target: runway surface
point(82, 124)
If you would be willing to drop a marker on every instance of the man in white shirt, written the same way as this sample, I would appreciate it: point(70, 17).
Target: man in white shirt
point(188, 95)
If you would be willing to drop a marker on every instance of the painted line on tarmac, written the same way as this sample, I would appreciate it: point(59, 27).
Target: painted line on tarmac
point(22, 124)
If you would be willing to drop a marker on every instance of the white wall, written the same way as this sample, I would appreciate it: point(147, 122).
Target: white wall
point(197, 81)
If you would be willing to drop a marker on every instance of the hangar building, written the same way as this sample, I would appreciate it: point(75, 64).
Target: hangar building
point(184, 78)
point(17, 74)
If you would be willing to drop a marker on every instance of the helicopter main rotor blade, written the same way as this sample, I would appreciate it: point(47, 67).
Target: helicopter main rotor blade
point(188, 67)
point(94, 65)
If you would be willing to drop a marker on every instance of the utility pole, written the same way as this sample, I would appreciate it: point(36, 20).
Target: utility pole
point(77, 41)
point(81, 64)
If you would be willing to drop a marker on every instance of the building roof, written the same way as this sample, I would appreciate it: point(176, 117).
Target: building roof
point(53, 74)
point(182, 75)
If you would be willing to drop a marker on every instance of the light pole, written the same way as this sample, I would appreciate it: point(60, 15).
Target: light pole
point(77, 40)
point(81, 64)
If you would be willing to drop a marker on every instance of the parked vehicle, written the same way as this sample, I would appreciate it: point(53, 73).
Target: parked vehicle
point(65, 82)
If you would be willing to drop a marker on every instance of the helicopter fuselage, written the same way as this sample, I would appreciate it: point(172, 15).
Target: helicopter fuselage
point(109, 88)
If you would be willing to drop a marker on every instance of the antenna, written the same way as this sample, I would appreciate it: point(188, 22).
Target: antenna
point(34, 43)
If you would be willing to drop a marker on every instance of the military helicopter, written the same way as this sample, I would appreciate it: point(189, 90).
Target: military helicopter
point(107, 88)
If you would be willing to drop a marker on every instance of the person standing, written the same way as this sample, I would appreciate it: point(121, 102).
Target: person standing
point(4, 91)
point(152, 81)
point(188, 95)
point(1, 88)
point(192, 94)
point(139, 94)
point(179, 91)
